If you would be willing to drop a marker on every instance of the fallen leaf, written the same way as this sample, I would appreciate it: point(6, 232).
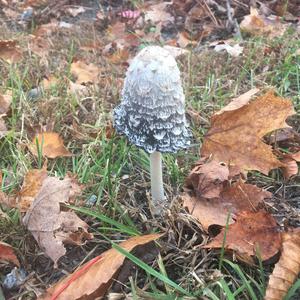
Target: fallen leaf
point(256, 24)
point(50, 226)
point(234, 51)
point(157, 13)
point(290, 167)
point(32, 184)
point(207, 179)
point(7, 254)
point(10, 51)
point(119, 56)
point(51, 145)
point(5, 101)
point(288, 267)
point(184, 39)
point(176, 51)
point(76, 187)
point(252, 234)
point(235, 137)
point(233, 199)
point(85, 73)
point(238, 102)
point(93, 279)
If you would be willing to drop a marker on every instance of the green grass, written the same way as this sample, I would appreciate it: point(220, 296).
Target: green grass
point(117, 174)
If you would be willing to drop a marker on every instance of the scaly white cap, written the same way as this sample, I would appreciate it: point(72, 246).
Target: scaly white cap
point(152, 111)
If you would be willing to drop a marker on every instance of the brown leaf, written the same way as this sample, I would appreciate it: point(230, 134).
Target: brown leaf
point(252, 233)
point(5, 101)
point(7, 254)
point(256, 24)
point(51, 144)
point(238, 102)
point(287, 268)
point(207, 179)
point(32, 184)
point(233, 199)
point(119, 57)
point(157, 13)
point(95, 278)
point(85, 73)
point(235, 136)
point(10, 51)
point(48, 224)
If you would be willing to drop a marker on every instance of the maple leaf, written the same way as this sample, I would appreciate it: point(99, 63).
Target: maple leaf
point(287, 268)
point(236, 135)
point(48, 224)
point(93, 279)
point(232, 199)
point(253, 234)
point(51, 145)
point(7, 254)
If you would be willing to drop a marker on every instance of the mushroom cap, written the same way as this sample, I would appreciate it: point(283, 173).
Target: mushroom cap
point(152, 112)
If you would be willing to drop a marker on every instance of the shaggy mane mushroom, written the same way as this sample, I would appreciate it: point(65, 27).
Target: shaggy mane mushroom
point(152, 112)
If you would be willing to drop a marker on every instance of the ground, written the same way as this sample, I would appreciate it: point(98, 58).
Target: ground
point(116, 173)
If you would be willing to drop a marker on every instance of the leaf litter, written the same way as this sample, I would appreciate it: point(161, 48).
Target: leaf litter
point(51, 226)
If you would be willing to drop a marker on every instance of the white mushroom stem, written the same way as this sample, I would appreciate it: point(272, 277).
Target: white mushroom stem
point(157, 189)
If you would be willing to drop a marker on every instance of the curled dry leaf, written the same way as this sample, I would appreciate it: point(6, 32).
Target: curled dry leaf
point(10, 51)
point(85, 73)
point(290, 167)
point(233, 199)
point(48, 224)
point(94, 278)
point(242, 148)
point(207, 179)
point(252, 234)
point(256, 24)
point(51, 145)
point(239, 101)
point(32, 184)
point(7, 254)
point(287, 268)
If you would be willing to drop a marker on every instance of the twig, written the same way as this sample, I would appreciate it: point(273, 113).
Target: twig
point(232, 22)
